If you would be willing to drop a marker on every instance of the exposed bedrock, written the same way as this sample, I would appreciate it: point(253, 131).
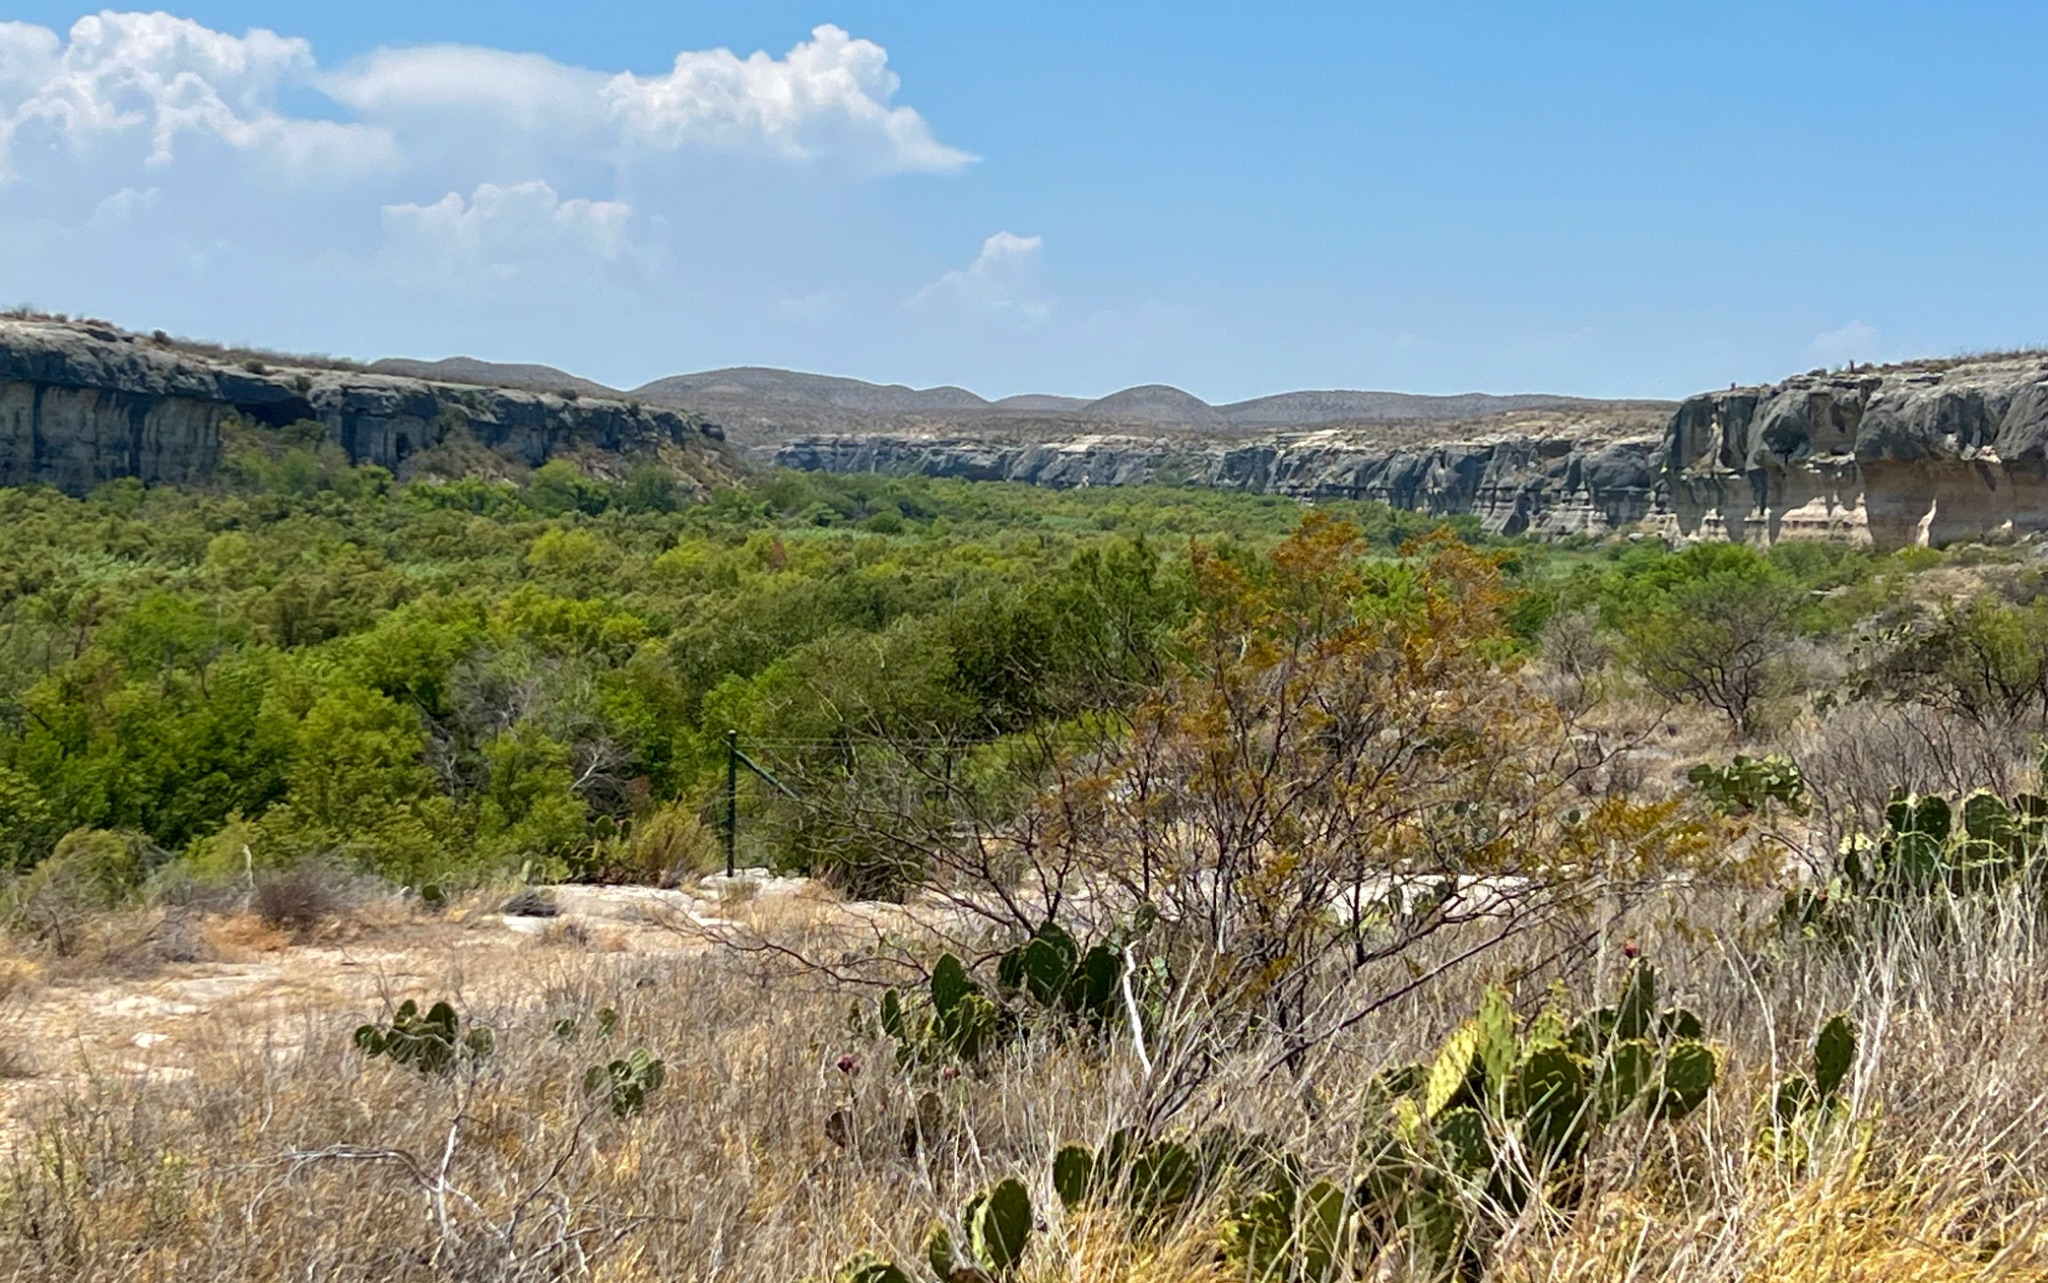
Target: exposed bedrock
point(1537, 484)
point(81, 404)
point(1930, 452)
point(1926, 453)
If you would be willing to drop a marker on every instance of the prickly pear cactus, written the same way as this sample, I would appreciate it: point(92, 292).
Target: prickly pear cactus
point(1073, 1175)
point(1499, 1105)
point(1690, 1070)
point(1803, 1106)
point(1834, 1055)
point(998, 1223)
point(866, 1268)
point(428, 1043)
point(626, 1083)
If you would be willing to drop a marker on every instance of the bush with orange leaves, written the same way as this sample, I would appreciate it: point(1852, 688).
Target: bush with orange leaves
point(1343, 762)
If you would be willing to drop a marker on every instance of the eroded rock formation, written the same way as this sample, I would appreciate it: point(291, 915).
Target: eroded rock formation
point(1540, 482)
point(81, 404)
point(1930, 452)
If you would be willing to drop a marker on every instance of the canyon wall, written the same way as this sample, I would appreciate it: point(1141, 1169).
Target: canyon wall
point(1930, 452)
point(82, 403)
point(1515, 483)
point(1927, 452)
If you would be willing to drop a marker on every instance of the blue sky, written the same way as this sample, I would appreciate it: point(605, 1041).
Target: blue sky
point(1608, 199)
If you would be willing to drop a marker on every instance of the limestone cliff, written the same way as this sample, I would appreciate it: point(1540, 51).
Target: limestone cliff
point(1535, 474)
point(1930, 452)
point(82, 403)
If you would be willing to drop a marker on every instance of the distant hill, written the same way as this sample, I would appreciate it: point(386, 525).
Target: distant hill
point(761, 405)
point(795, 388)
point(1034, 402)
point(494, 374)
point(1156, 403)
point(1293, 408)
point(812, 401)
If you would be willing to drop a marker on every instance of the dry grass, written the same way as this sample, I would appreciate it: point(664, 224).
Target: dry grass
point(265, 1165)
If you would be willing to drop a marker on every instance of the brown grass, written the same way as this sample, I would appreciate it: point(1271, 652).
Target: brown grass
point(266, 1165)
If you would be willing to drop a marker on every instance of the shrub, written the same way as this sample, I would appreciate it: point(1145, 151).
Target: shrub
point(90, 872)
point(667, 845)
point(303, 897)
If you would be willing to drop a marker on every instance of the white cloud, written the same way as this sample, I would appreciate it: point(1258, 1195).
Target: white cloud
point(160, 172)
point(829, 94)
point(1853, 342)
point(151, 79)
point(1005, 280)
point(523, 90)
point(503, 232)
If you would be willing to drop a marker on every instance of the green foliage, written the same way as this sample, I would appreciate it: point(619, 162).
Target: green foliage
point(1503, 1114)
point(1752, 784)
point(438, 679)
point(91, 870)
point(1985, 660)
point(624, 1084)
point(1803, 1108)
point(428, 1043)
point(1924, 851)
point(1711, 626)
point(1047, 977)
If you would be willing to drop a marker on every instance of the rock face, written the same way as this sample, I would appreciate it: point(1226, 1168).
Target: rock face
point(81, 404)
point(1572, 482)
point(1925, 453)
point(1930, 452)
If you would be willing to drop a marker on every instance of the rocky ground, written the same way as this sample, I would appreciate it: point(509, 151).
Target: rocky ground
point(256, 989)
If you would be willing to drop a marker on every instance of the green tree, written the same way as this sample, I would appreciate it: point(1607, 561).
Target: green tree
point(1712, 626)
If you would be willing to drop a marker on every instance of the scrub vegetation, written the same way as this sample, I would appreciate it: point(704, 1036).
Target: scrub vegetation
point(1198, 887)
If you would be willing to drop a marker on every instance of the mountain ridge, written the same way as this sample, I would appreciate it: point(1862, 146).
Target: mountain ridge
point(761, 394)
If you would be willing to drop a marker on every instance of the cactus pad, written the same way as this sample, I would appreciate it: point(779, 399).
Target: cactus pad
point(1690, 1070)
point(1834, 1054)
